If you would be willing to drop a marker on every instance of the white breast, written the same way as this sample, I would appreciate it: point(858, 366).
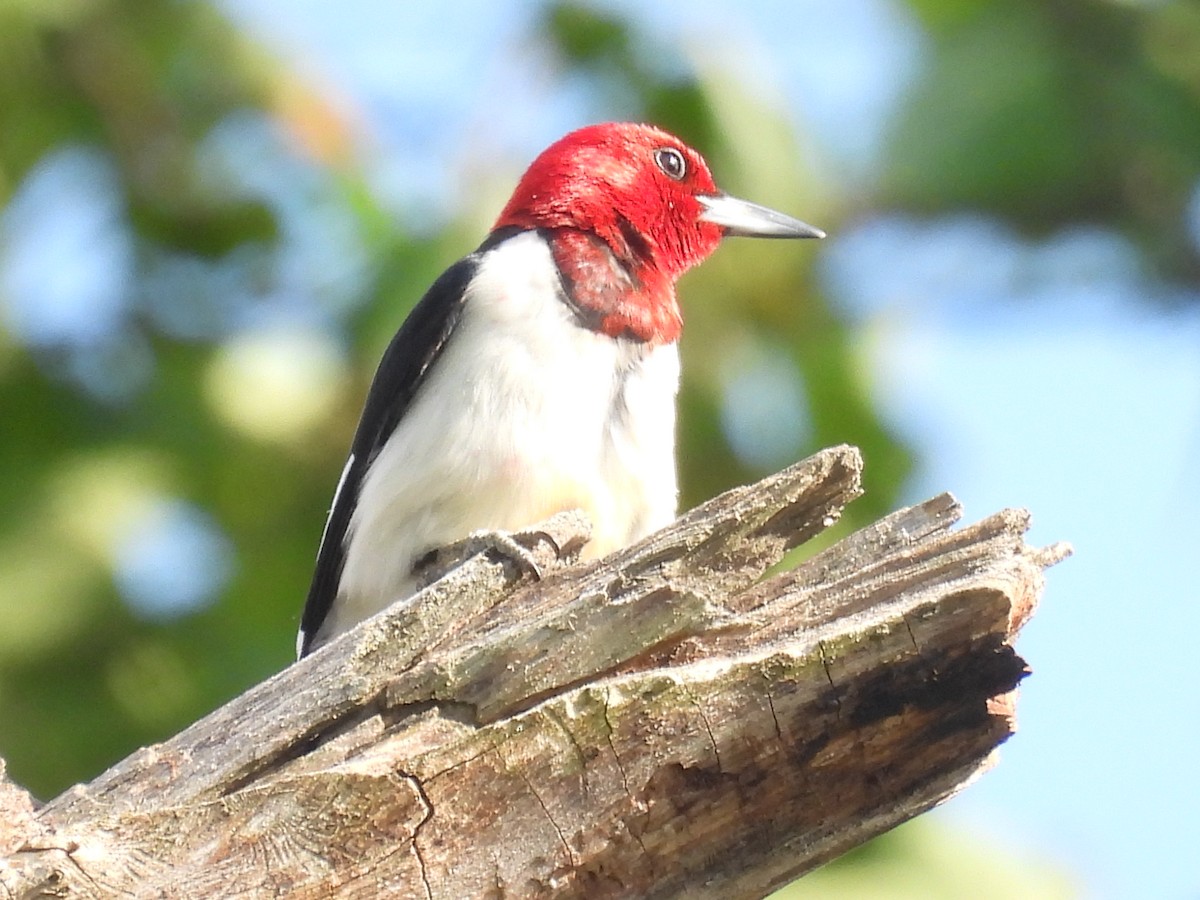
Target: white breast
point(525, 413)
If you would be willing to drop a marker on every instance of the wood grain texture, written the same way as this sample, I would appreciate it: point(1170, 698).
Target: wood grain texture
point(660, 722)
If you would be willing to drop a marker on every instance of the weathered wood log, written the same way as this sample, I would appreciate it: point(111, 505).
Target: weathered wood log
point(657, 722)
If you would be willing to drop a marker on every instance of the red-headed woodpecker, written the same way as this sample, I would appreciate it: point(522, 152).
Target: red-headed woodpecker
point(538, 374)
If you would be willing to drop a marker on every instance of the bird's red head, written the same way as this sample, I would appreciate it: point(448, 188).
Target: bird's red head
point(629, 208)
point(634, 186)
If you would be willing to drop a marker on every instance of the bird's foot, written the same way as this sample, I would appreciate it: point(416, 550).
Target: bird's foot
point(515, 546)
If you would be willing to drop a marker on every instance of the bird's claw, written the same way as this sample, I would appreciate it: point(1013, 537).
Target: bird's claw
point(515, 546)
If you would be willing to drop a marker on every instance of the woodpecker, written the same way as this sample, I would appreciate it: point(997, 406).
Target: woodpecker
point(537, 374)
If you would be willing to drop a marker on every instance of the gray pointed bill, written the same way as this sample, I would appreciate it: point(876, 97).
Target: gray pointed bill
point(741, 218)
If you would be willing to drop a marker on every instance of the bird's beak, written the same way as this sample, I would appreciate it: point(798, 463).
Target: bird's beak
point(741, 218)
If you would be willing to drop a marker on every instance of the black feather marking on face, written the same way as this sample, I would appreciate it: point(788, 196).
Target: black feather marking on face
point(639, 249)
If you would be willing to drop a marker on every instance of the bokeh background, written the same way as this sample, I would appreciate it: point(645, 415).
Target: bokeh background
point(214, 215)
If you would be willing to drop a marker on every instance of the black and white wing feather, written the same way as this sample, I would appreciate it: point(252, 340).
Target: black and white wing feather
point(404, 368)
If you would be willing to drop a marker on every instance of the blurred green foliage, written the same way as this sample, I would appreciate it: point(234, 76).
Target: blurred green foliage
point(1043, 112)
point(924, 860)
point(1057, 112)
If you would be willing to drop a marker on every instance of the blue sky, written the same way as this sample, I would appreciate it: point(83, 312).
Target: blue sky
point(1025, 373)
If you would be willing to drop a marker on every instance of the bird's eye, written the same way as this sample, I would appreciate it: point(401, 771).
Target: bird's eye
point(671, 162)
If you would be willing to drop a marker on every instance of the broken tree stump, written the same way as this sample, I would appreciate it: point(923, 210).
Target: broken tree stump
point(658, 722)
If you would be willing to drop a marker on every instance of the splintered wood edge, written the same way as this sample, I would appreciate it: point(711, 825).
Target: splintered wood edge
point(996, 572)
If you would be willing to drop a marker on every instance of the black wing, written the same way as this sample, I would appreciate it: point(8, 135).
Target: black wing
point(404, 367)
